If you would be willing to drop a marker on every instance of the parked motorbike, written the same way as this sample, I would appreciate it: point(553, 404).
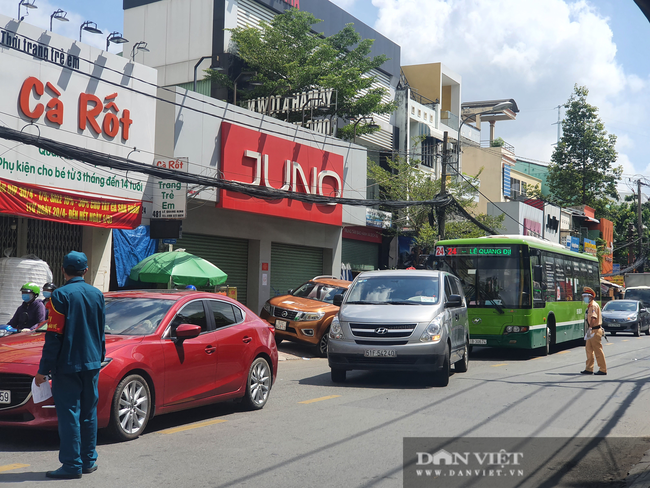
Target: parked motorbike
point(6, 330)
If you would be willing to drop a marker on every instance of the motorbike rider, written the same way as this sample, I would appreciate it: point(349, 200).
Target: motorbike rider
point(31, 312)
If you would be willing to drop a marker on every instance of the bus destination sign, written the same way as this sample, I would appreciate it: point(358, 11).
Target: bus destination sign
point(473, 250)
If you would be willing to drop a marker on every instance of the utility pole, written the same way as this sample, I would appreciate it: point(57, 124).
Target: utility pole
point(559, 124)
point(639, 223)
point(443, 185)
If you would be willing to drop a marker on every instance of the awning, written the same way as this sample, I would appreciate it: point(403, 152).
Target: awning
point(609, 283)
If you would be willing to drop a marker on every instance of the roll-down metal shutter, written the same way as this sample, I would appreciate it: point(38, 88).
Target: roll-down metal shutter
point(360, 255)
point(293, 265)
point(228, 254)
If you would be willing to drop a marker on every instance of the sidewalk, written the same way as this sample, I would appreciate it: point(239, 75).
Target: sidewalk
point(288, 351)
point(639, 475)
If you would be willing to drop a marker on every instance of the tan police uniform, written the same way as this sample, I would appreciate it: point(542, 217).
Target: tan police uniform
point(593, 346)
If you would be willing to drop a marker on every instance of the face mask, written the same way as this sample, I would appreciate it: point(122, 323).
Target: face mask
point(585, 299)
point(27, 297)
point(47, 294)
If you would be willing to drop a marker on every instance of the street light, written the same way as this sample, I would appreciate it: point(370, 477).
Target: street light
point(89, 27)
point(58, 15)
point(26, 4)
point(443, 173)
point(116, 38)
point(243, 73)
point(137, 47)
point(371, 125)
point(196, 66)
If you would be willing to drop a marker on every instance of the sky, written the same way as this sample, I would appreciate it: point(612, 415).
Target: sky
point(533, 51)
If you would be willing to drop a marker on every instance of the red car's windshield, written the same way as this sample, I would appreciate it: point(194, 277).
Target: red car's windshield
point(135, 316)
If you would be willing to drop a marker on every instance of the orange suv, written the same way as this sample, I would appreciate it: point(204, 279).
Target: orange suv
point(306, 313)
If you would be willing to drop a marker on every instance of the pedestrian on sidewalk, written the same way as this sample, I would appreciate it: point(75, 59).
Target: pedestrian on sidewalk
point(595, 332)
point(72, 354)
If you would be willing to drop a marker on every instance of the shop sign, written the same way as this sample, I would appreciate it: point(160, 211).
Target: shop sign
point(362, 234)
point(378, 218)
point(170, 196)
point(590, 247)
point(37, 202)
point(259, 159)
point(64, 90)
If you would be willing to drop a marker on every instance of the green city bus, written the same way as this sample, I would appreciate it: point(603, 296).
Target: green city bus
point(521, 291)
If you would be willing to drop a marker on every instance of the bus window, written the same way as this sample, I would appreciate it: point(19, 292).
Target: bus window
point(499, 282)
point(560, 279)
point(548, 265)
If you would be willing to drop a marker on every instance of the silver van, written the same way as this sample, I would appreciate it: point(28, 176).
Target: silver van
point(401, 320)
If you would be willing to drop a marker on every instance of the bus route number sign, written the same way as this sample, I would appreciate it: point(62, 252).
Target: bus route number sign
point(473, 251)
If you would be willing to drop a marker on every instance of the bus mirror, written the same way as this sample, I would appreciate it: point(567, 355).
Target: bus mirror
point(537, 273)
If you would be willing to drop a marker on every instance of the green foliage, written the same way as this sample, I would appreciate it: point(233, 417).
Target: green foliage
point(404, 180)
point(289, 59)
point(498, 142)
point(582, 170)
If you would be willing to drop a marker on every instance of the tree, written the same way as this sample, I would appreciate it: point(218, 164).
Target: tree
point(582, 170)
point(404, 180)
point(289, 58)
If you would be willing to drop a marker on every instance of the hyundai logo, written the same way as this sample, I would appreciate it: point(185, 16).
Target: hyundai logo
point(381, 331)
point(284, 313)
point(477, 320)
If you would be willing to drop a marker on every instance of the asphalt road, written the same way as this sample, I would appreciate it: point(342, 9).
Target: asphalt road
point(315, 433)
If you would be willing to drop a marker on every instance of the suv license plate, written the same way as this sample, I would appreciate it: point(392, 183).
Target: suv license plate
point(478, 342)
point(5, 396)
point(380, 353)
point(281, 325)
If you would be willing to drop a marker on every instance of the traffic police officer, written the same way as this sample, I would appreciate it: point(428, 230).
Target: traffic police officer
point(595, 332)
point(72, 354)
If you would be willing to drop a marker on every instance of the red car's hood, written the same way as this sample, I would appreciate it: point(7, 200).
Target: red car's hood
point(26, 348)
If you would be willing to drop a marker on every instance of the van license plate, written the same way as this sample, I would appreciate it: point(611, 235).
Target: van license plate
point(5, 396)
point(281, 325)
point(380, 353)
point(478, 342)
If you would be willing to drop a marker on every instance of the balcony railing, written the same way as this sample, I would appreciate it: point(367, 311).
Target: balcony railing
point(422, 100)
point(507, 146)
point(449, 119)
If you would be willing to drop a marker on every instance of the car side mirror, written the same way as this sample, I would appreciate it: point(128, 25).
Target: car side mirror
point(290, 292)
point(643, 310)
point(337, 300)
point(454, 301)
point(186, 331)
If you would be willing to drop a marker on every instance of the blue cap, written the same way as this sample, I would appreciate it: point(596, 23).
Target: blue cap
point(75, 259)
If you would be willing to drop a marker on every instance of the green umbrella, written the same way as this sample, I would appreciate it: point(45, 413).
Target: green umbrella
point(178, 268)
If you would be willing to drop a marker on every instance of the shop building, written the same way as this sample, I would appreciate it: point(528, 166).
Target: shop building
point(71, 93)
point(265, 247)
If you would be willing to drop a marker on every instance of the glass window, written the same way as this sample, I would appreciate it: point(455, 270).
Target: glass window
point(135, 316)
point(620, 306)
point(223, 313)
point(319, 291)
point(192, 313)
point(239, 315)
point(395, 290)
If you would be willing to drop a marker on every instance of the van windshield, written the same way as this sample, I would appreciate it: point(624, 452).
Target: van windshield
point(394, 290)
point(641, 294)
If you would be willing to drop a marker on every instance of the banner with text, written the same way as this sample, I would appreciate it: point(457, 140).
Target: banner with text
point(37, 202)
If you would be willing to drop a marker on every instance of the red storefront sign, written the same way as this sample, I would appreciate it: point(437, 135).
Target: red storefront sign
point(362, 234)
point(41, 203)
point(255, 158)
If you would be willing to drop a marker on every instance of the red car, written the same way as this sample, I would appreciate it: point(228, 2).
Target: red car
point(165, 351)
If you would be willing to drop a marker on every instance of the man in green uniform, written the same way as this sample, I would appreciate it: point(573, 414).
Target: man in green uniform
point(72, 354)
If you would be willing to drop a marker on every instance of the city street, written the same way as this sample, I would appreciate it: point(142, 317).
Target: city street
point(315, 433)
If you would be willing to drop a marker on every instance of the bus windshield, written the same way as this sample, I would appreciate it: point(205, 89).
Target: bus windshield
point(495, 281)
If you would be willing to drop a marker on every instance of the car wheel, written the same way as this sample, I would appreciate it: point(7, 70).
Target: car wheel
point(463, 365)
point(637, 331)
point(613, 333)
point(647, 331)
point(258, 386)
point(441, 378)
point(131, 408)
point(338, 375)
point(321, 347)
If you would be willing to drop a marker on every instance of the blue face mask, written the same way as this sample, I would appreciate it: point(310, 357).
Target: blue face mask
point(27, 297)
point(585, 299)
point(47, 294)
